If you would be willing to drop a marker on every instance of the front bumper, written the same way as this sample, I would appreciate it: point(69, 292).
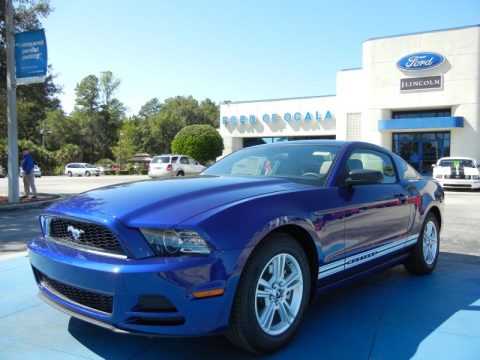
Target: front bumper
point(459, 184)
point(150, 296)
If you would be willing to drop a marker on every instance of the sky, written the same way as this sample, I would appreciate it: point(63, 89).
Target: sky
point(233, 50)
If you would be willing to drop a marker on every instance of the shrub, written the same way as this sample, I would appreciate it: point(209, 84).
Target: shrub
point(122, 172)
point(202, 142)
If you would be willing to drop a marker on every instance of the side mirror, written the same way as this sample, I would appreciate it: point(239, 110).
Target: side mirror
point(363, 177)
point(433, 165)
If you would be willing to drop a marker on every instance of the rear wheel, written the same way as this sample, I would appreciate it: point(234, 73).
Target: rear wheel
point(180, 173)
point(69, 174)
point(272, 296)
point(424, 254)
point(87, 173)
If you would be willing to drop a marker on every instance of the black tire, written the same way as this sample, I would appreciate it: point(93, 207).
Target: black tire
point(180, 173)
point(424, 255)
point(87, 173)
point(69, 174)
point(245, 330)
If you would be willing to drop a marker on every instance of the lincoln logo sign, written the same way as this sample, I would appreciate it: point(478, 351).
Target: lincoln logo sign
point(420, 61)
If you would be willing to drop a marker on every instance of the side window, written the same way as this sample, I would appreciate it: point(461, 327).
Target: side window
point(372, 160)
point(174, 159)
point(183, 160)
point(407, 171)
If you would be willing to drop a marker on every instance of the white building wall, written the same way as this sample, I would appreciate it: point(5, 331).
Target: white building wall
point(374, 92)
point(311, 120)
point(460, 92)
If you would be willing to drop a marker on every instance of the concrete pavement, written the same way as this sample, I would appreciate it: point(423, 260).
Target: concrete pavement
point(391, 315)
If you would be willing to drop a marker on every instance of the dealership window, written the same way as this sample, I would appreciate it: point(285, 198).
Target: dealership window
point(354, 126)
point(422, 149)
point(421, 114)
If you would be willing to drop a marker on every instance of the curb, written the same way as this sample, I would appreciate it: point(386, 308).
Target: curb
point(32, 205)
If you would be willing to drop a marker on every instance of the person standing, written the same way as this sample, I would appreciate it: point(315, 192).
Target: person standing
point(28, 175)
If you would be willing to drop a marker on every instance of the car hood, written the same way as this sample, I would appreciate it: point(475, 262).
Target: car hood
point(166, 202)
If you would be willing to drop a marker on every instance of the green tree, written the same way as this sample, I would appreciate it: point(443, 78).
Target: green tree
point(203, 142)
point(159, 130)
point(210, 113)
point(67, 154)
point(128, 142)
point(98, 115)
point(43, 158)
point(108, 85)
point(150, 108)
point(87, 93)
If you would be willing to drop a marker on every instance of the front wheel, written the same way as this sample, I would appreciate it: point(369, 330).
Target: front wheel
point(272, 296)
point(424, 255)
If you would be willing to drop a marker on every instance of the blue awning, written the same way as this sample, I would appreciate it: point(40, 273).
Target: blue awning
point(421, 123)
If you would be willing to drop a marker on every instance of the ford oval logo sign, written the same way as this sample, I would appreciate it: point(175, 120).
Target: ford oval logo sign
point(420, 61)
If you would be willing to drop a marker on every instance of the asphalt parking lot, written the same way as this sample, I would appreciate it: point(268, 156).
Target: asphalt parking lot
point(391, 315)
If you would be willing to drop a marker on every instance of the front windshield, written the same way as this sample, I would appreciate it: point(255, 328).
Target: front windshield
point(292, 161)
point(455, 163)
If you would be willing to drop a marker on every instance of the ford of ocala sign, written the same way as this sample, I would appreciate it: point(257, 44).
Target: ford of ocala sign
point(420, 61)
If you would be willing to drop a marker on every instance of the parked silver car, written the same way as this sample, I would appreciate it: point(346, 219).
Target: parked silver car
point(81, 169)
point(173, 165)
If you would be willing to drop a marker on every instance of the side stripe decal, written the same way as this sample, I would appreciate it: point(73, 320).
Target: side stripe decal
point(352, 261)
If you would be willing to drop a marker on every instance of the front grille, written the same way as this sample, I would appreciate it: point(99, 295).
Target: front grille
point(84, 235)
point(90, 299)
point(458, 185)
point(462, 177)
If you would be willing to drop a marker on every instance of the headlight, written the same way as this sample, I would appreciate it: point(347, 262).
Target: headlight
point(476, 177)
point(438, 176)
point(172, 242)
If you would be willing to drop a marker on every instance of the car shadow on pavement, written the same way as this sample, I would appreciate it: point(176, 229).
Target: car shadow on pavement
point(391, 315)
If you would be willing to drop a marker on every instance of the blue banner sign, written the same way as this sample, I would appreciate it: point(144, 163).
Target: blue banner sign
point(420, 61)
point(287, 117)
point(30, 57)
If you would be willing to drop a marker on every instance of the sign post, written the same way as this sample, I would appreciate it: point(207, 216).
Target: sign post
point(26, 64)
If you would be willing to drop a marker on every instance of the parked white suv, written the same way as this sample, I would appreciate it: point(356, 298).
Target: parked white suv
point(173, 165)
point(81, 169)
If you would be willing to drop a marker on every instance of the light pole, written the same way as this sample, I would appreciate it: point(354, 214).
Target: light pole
point(13, 189)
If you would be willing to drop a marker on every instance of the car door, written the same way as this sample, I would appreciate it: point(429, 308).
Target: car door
point(184, 164)
point(377, 214)
point(195, 167)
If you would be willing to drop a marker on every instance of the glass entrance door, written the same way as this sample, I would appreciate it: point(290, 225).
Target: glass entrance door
point(421, 150)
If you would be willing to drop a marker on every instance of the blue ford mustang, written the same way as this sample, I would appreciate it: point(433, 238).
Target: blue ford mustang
point(241, 249)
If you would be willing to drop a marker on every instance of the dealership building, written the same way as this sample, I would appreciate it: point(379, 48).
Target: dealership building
point(416, 94)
